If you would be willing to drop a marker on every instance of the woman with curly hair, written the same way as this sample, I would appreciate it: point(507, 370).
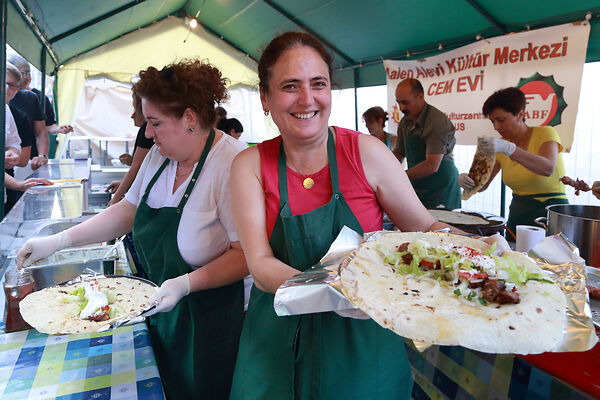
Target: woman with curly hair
point(179, 211)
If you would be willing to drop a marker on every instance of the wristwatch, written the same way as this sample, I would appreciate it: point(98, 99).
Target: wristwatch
point(42, 155)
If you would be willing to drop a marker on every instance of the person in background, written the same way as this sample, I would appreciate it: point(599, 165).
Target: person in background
point(10, 183)
point(221, 115)
point(29, 104)
point(13, 76)
point(231, 126)
point(12, 148)
point(178, 209)
point(12, 142)
point(141, 148)
point(529, 157)
point(50, 119)
point(375, 119)
point(426, 139)
point(596, 189)
point(302, 188)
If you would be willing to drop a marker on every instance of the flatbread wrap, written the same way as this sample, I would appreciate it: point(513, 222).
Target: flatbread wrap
point(86, 306)
point(450, 290)
point(481, 170)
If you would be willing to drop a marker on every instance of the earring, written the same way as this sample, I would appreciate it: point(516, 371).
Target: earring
point(266, 113)
point(191, 129)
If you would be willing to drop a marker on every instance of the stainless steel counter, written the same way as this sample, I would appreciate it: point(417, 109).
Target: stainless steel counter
point(118, 364)
point(65, 169)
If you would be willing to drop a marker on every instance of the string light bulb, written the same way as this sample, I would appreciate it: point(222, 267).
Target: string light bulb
point(193, 23)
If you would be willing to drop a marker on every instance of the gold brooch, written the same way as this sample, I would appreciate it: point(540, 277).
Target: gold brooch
point(308, 183)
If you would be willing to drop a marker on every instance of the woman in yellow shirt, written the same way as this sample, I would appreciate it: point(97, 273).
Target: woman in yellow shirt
point(529, 157)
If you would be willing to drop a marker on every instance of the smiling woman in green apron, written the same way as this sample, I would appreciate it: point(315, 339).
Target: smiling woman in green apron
point(179, 210)
point(529, 157)
point(291, 196)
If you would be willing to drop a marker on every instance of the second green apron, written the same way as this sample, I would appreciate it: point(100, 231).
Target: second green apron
point(441, 187)
point(525, 209)
point(196, 342)
point(322, 355)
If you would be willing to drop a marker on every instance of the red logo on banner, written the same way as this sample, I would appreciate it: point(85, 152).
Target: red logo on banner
point(545, 102)
point(396, 114)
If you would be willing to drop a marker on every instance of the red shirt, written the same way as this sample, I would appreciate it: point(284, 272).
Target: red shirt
point(353, 183)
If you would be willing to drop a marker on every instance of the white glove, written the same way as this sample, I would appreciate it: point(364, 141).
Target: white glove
point(465, 182)
point(501, 243)
point(169, 294)
point(42, 247)
point(496, 145)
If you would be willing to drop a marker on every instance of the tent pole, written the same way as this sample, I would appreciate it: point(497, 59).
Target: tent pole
point(95, 21)
point(34, 28)
point(3, 94)
point(42, 89)
point(293, 19)
point(356, 100)
point(485, 14)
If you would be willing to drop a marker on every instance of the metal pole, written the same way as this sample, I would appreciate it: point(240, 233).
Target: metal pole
point(356, 100)
point(3, 94)
point(43, 88)
point(502, 198)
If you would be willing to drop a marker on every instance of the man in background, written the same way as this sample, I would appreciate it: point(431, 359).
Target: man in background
point(426, 139)
point(29, 103)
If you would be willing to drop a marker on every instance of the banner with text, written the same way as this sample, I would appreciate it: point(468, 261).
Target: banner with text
point(546, 64)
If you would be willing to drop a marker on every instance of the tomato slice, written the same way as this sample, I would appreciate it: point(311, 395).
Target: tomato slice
point(105, 308)
point(473, 276)
point(429, 264)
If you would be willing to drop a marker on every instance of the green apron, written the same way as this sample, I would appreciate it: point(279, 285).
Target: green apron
point(525, 209)
point(315, 356)
point(196, 342)
point(441, 187)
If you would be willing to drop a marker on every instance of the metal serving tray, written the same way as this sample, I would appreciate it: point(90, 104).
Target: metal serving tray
point(68, 264)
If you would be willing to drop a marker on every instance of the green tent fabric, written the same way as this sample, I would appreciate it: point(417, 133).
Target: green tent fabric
point(359, 34)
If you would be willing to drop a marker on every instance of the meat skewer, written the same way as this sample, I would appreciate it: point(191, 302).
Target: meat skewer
point(578, 184)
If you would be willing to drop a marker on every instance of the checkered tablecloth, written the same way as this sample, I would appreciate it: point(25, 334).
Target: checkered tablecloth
point(444, 372)
point(118, 364)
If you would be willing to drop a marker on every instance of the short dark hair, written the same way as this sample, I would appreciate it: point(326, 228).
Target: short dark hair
point(510, 99)
point(284, 42)
point(227, 124)
point(415, 86)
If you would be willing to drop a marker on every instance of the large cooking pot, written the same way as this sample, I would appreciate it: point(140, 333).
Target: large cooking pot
point(581, 224)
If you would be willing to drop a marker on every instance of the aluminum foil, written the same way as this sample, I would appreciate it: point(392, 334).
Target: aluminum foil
point(318, 289)
point(560, 258)
point(130, 319)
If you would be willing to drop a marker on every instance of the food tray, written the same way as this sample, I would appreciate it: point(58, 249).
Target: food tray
point(137, 317)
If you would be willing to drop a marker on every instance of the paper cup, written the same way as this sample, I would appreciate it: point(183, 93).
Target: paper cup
point(528, 236)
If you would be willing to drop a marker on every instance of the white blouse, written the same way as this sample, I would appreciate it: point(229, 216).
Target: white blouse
point(206, 227)
point(11, 134)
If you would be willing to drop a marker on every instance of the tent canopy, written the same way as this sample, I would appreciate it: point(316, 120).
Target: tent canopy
point(359, 34)
point(156, 45)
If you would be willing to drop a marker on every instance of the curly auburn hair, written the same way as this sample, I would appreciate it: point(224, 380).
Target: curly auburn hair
point(190, 83)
